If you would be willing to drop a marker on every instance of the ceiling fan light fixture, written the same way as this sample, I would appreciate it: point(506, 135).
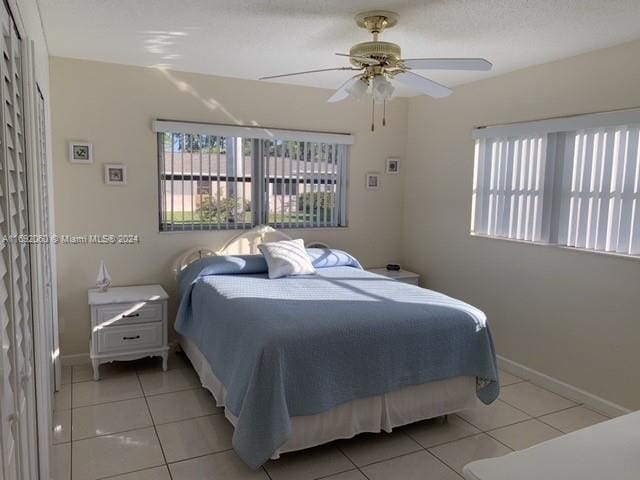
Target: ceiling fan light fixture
point(382, 88)
point(358, 89)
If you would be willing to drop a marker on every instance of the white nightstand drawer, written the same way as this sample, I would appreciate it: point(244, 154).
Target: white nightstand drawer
point(409, 280)
point(112, 339)
point(128, 313)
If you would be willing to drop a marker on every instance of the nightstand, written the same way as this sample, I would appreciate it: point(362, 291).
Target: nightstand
point(404, 276)
point(128, 323)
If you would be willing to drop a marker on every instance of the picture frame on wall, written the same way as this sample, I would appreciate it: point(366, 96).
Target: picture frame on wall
point(373, 181)
point(80, 152)
point(115, 174)
point(392, 166)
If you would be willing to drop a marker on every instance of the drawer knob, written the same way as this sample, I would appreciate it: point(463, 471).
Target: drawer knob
point(131, 338)
point(131, 315)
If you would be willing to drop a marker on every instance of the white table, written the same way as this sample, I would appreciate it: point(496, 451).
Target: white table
point(128, 323)
point(607, 451)
point(404, 276)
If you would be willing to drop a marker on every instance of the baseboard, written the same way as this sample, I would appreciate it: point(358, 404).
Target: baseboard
point(561, 388)
point(77, 359)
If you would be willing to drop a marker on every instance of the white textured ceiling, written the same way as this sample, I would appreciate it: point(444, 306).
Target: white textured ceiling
point(253, 38)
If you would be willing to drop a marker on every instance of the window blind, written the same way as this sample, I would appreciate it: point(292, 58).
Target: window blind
point(508, 194)
point(209, 181)
point(578, 187)
point(601, 203)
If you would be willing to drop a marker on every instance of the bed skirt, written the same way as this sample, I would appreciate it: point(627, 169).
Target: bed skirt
point(371, 414)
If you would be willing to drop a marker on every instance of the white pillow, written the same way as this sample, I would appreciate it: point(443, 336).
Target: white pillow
point(288, 257)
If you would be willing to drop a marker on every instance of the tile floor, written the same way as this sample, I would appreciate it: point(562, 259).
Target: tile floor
point(139, 423)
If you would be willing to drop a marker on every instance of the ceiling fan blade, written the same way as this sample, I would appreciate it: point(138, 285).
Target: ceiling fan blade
point(342, 92)
point(365, 60)
point(308, 71)
point(422, 84)
point(479, 64)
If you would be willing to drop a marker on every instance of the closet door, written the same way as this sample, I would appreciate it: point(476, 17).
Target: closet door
point(18, 391)
point(43, 225)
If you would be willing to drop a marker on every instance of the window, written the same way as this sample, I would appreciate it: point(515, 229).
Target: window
point(203, 187)
point(224, 177)
point(286, 187)
point(572, 182)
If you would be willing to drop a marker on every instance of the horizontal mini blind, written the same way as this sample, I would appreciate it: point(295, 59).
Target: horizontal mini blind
point(601, 200)
point(508, 187)
point(217, 181)
point(571, 181)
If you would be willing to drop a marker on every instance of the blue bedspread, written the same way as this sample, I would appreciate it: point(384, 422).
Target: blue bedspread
point(303, 345)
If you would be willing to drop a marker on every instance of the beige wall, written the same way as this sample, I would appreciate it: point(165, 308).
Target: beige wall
point(574, 316)
point(571, 315)
point(112, 106)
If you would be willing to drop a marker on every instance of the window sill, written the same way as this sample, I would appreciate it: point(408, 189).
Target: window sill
point(622, 256)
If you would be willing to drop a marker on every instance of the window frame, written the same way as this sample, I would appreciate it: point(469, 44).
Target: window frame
point(559, 182)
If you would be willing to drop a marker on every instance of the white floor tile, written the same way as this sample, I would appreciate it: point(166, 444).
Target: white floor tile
point(113, 417)
point(158, 473)
point(350, 475)
point(171, 407)
point(84, 373)
point(151, 364)
point(457, 454)
point(61, 462)
point(219, 466)
point(116, 454)
point(154, 383)
point(415, 466)
point(488, 417)
point(534, 400)
point(62, 398)
point(573, 419)
point(374, 447)
point(525, 434)
point(309, 464)
point(508, 378)
point(61, 426)
point(66, 375)
point(430, 433)
point(107, 390)
point(195, 437)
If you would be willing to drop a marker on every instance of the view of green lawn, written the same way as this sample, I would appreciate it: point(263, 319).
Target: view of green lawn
point(189, 218)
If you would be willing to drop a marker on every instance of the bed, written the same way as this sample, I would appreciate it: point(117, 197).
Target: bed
point(300, 361)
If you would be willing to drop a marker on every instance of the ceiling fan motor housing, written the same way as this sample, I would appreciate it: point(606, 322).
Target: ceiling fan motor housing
point(388, 52)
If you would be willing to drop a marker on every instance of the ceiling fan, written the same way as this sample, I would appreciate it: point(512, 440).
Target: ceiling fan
point(380, 62)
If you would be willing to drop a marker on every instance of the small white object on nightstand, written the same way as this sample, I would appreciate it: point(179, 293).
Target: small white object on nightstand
point(128, 323)
point(404, 276)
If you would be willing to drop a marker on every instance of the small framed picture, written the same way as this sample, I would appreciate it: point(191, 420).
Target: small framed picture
point(115, 174)
point(80, 152)
point(393, 166)
point(373, 181)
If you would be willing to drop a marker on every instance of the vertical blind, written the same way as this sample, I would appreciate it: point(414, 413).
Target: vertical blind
point(17, 392)
point(553, 182)
point(601, 203)
point(229, 181)
point(508, 193)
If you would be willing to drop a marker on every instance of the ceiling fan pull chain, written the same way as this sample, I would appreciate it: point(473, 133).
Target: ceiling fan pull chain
point(373, 113)
point(384, 112)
